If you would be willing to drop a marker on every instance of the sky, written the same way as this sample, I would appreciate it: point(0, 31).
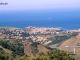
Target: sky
point(38, 4)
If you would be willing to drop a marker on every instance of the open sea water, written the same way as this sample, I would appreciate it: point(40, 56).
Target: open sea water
point(66, 20)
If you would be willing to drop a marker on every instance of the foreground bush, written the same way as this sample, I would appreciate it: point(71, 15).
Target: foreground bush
point(51, 55)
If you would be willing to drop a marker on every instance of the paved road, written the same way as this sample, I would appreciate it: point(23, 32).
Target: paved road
point(67, 47)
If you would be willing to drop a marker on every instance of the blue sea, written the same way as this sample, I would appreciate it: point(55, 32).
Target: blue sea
point(67, 20)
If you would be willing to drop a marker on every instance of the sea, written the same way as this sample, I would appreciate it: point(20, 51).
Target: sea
point(67, 20)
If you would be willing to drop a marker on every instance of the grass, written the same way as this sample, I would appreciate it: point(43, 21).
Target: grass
point(8, 51)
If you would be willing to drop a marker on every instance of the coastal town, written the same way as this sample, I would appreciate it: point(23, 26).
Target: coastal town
point(21, 33)
point(36, 34)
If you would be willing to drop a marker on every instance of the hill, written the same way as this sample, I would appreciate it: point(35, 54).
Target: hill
point(71, 45)
point(74, 41)
point(17, 48)
point(32, 48)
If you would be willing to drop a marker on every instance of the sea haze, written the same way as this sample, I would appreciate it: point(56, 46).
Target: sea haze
point(65, 19)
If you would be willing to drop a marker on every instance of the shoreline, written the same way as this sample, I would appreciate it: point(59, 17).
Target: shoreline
point(65, 29)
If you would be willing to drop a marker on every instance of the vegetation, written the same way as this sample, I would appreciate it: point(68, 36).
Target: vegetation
point(16, 47)
point(58, 39)
point(51, 55)
point(34, 48)
point(3, 55)
point(24, 34)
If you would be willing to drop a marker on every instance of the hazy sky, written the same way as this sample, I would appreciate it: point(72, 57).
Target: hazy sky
point(38, 4)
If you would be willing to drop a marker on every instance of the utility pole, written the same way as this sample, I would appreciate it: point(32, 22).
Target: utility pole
point(74, 50)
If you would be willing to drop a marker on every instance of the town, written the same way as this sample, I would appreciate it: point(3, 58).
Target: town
point(36, 34)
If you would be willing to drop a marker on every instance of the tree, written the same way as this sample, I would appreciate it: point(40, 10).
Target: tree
point(51, 55)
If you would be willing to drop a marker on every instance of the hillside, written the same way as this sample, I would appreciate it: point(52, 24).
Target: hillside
point(74, 41)
point(27, 48)
point(4, 55)
point(71, 45)
point(32, 48)
point(42, 49)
